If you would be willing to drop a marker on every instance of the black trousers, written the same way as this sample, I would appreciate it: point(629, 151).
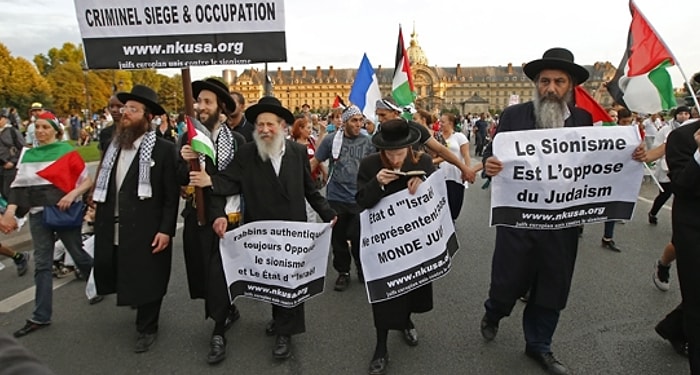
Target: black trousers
point(661, 198)
point(289, 321)
point(147, 316)
point(347, 227)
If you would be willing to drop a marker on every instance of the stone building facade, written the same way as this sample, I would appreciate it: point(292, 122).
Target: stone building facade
point(461, 88)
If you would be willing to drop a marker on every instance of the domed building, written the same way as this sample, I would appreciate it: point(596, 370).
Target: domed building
point(456, 88)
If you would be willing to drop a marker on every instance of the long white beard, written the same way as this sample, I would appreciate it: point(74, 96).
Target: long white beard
point(265, 149)
point(550, 110)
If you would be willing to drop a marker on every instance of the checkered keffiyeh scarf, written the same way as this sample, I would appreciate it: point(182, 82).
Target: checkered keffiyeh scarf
point(225, 147)
point(145, 152)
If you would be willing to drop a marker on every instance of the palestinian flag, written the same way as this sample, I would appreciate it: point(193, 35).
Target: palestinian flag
point(585, 101)
point(199, 140)
point(57, 164)
point(642, 83)
point(339, 103)
point(402, 86)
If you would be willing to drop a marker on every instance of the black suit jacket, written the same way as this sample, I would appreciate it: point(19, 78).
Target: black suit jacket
point(267, 196)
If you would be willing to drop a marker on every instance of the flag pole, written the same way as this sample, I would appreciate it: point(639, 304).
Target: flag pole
point(675, 60)
point(194, 164)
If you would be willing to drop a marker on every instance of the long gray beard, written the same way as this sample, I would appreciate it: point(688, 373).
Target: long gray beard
point(265, 150)
point(550, 110)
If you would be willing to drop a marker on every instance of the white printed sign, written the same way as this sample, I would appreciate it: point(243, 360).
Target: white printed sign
point(280, 262)
point(407, 241)
point(558, 178)
point(138, 34)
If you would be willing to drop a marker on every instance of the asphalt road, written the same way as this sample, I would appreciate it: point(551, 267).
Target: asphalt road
point(607, 327)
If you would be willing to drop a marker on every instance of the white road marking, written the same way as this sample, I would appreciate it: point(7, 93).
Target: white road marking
point(27, 295)
point(13, 302)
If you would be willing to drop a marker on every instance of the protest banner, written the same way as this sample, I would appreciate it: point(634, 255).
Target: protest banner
point(281, 262)
point(140, 34)
point(564, 177)
point(407, 241)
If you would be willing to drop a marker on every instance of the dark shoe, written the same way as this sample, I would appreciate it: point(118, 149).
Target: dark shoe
point(610, 244)
point(270, 328)
point(548, 362)
point(283, 347)
point(217, 349)
point(144, 342)
point(342, 282)
point(662, 276)
point(29, 327)
point(680, 346)
point(410, 335)
point(489, 328)
point(95, 300)
point(233, 315)
point(653, 220)
point(378, 366)
point(23, 264)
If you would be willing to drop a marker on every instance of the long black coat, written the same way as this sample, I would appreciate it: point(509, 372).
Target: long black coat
point(394, 313)
point(136, 274)
point(267, 196)
point(684, 172)
point(205, 274)
point(524, 259)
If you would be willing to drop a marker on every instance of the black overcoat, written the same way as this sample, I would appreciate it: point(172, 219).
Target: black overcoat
point(205, 274)
point(136, 274)
point(684, 172)
point(393, 313)
point(541, 261)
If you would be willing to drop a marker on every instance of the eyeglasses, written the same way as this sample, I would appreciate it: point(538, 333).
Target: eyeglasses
point(129, 109)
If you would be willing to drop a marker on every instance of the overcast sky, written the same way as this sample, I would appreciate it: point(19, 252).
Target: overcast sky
point(491, 32)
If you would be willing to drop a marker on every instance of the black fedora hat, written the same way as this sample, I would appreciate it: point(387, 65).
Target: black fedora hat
point(268, 104)
point(217, 87)
point(144, 95)
point(559, 59)
point(395, 134)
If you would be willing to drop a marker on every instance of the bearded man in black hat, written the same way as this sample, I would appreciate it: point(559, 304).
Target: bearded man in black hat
point(205, 274)
point(137, 198)
point(541, 261)
point(273, 176)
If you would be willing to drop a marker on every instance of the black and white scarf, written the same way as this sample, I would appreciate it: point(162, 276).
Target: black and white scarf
point(145, 152)
point(225, 147)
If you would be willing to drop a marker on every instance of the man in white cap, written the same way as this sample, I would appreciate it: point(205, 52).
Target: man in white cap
point(345, 150)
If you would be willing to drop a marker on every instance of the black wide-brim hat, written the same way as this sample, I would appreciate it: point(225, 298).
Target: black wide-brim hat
point(395, 134)
point(268, 104)
point(559, 59)
point(217, 87)
point(144, 95)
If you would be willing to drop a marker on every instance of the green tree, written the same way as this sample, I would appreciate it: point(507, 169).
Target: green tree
point(148, 77)
point(20, 83)
point(69, 53)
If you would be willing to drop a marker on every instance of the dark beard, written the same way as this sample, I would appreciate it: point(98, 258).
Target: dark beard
point(550, 110)
point(126, 135)
point(211, 122)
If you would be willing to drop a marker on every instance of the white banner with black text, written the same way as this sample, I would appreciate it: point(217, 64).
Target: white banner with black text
point(407, 240)
point(560, 178)
point(281, 262)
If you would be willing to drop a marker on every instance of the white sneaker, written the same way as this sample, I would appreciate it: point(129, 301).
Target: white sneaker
point(662, 276)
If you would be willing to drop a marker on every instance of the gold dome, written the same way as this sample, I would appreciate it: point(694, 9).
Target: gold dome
point(415, 53)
